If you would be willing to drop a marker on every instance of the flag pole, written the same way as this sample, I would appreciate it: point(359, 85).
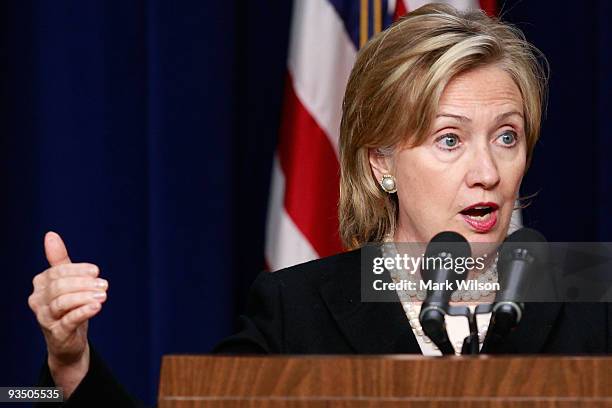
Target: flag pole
point(377, 16)
point(363, 23)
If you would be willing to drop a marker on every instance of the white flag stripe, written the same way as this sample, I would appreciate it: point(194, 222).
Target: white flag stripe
point(285, 243)
point(321, 56)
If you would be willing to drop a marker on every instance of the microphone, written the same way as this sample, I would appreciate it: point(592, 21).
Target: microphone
point(520, 254)
point(443, 246)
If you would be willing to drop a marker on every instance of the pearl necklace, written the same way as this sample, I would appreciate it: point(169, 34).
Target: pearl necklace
point(412, 307)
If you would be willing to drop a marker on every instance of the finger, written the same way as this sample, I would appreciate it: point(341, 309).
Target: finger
point(65, 303)
point(70, 321)
point(72, 284)
point(55, 250)
point(34, 301)
point(44, 278)
point(72, 269)
point(39, 281)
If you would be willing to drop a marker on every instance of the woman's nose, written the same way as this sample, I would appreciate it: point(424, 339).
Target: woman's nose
point(482, 169)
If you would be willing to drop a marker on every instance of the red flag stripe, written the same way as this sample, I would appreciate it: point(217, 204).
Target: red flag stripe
point(311, 171)
point(400, 10)
point(489, 6)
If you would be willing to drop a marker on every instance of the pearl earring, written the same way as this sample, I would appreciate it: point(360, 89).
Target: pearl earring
point(388, 183)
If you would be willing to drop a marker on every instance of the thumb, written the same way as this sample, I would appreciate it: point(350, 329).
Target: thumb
point(55, 250)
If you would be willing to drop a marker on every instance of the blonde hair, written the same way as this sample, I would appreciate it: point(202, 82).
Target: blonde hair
point(393, 93)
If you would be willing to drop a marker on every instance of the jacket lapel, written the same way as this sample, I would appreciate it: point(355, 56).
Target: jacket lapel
point(370, 328)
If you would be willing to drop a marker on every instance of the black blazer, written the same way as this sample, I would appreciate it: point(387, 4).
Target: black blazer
point(315, 308)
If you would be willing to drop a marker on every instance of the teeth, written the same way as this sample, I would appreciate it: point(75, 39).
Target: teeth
point(480, 217)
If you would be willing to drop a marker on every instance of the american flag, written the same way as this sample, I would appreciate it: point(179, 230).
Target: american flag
point(325, 35)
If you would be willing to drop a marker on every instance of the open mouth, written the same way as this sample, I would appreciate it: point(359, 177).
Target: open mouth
point(478, 212)
point(482, 217)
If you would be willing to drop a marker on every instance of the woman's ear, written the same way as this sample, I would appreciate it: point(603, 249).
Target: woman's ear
point(380, 163)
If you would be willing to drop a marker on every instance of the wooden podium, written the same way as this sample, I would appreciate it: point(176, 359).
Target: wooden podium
point(385, 381)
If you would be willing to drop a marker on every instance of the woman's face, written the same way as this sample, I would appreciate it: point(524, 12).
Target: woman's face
point(465, 177)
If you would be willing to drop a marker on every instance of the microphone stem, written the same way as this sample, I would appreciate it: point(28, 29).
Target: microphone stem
point(473, 333)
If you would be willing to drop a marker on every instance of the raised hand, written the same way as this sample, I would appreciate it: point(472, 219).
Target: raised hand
point(65, 297)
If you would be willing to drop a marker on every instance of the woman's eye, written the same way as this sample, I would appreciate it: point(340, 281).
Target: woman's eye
point(508, 138)
point(449, 141)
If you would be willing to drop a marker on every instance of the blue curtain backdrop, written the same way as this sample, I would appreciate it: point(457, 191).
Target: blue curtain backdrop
point(143, 132)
